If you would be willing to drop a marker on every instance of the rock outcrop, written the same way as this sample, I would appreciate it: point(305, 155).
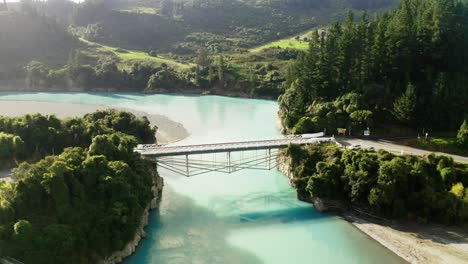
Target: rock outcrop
point(319, 205)
point(284, 166)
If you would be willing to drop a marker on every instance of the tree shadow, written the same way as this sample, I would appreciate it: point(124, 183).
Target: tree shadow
point(436, 233)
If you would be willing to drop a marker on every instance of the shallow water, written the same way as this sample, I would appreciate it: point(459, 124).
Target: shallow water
point(245, 217)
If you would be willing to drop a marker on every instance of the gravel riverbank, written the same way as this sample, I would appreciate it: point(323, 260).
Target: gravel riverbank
point(168, 130)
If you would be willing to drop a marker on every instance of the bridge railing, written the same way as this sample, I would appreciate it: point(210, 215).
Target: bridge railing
point(189, 160)
point(143, 147)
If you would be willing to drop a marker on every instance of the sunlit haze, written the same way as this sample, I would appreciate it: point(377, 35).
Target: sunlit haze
point(224, 130)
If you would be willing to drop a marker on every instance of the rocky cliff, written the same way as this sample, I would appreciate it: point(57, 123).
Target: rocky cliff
point(284, 166)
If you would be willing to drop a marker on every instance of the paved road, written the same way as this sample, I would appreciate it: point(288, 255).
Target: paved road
point(395, 148)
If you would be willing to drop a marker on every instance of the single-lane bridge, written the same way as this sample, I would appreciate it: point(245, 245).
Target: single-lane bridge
point(190, 160)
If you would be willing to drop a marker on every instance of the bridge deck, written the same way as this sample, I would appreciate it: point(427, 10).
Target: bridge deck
point(164, 151)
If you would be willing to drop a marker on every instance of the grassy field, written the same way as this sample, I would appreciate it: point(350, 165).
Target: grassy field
point(284, 44)
point(138, 10)
point(291, 43)
point(127, 57)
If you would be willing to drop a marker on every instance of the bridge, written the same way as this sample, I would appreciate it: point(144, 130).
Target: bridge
point(227, 157)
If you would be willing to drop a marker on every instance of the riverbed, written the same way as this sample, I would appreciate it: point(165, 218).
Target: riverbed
point(245, 217)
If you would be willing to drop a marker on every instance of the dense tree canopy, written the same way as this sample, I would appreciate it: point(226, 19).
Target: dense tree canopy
point(33, 136)
point(425, 189)
point(83, 204)
point(408, 66)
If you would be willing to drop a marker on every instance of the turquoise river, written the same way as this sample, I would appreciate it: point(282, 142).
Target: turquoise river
point(245, 217)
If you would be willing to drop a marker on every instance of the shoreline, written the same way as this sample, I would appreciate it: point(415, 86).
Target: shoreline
point(412, 242)
point(189, 92)
point(168, 130)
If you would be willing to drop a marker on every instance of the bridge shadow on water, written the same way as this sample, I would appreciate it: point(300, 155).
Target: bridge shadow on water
point(182, 231)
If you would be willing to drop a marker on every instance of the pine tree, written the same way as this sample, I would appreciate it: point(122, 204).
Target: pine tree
point(379, 48)
point(211, 74)
point(71, 65)
point(404, 107)
point(221, 68)
point(203, 59)
point(347, 51)
point(462, 135)
point(362, 65)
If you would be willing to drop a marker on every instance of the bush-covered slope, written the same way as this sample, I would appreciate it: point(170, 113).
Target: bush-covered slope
point(423, 189)
point(83, 204)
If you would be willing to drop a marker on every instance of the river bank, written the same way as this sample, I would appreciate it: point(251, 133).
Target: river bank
point(412, 242)
point(418, 243)
point(21, 87)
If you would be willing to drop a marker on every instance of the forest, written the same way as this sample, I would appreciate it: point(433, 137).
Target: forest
point(79, 191)
point(420, 189)
point(160, 40)
point(404, 68)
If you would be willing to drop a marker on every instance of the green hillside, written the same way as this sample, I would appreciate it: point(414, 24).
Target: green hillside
point(27, 35)
point(182, 27)
point(198, 46)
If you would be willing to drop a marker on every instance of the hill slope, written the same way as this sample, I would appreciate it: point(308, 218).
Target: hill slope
point(25, 36)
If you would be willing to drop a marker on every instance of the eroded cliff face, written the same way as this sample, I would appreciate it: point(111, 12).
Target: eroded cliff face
point(129, 249)
point(284, 166)
point(281, 117)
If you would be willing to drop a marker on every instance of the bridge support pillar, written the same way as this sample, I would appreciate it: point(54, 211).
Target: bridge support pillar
point(229, 162)
point(187, 165)
point(269, 158)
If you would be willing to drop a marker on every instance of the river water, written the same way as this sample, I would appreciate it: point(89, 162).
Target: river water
point(245, 217)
